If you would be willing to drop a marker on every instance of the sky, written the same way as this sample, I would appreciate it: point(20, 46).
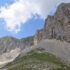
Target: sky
point(22, 18)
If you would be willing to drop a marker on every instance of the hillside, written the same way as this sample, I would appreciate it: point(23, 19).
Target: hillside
point(48, 54)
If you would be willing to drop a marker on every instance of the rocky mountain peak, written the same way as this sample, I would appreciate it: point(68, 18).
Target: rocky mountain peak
point(57, 26)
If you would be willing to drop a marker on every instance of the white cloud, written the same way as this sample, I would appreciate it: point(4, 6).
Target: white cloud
point(22, 10)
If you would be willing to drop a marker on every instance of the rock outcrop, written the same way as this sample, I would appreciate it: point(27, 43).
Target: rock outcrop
point(57, 26)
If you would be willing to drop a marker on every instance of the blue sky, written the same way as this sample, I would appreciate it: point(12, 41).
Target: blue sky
point(27, 29)
point(4, 2)
point(22, 18)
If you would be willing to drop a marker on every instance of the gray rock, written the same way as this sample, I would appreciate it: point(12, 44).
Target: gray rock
point(57, 26)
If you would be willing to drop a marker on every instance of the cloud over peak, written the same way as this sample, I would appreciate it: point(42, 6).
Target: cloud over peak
point(21, 11)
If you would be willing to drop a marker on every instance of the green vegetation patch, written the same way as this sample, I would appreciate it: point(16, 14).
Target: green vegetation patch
point(37, 61)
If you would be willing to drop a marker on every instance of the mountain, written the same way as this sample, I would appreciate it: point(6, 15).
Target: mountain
point(56, 26)
point(57, 31)
point(48, 49)
point(11, 47)
point(9, 43)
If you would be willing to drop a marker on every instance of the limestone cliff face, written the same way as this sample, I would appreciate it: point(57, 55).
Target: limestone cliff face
point(57, 26)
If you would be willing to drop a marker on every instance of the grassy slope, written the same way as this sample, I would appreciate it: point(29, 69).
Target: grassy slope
point(37, 61)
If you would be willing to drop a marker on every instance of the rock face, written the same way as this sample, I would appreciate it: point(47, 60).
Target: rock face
point(57, 26)
point(39, 36)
